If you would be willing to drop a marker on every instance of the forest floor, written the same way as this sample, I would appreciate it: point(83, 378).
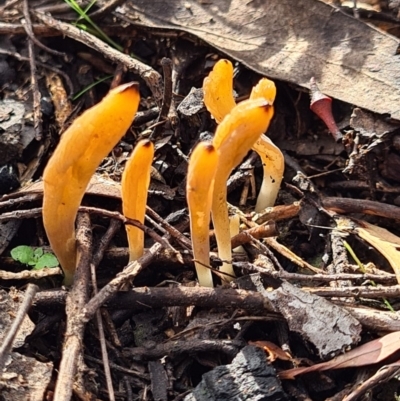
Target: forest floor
point(316, 273)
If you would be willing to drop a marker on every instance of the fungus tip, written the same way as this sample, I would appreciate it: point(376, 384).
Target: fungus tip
point(209, 147)
point(146, 143)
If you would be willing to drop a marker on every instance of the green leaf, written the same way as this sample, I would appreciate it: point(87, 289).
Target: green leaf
point(23, 254)
point(47, 260)
point(37, 253)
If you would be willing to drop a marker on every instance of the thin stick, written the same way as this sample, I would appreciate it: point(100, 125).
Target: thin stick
point(30, 274)
point(166, 64)
point(5, 348)
point(27, 24)
point(76, 300)
point(37, 212)
point(150, 76)
point(105, 241)
point(37, 113)
point(128, 274)
point(100, 327)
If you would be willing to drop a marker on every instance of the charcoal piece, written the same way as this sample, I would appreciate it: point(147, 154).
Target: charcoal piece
point(313, 317)
point(192, 103)
point(8, 178)
point(248, 377)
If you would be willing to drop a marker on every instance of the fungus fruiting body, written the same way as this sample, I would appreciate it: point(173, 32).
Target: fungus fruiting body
point(220, 102)
point(235, 125)
point(134, 187)
point(266, 89)
point(199, 191)
point(273, 165)
point(271, 156)
point(81, 149)
point(321, 105)
point(218, 90)
point(234, 137)
point(234, 229)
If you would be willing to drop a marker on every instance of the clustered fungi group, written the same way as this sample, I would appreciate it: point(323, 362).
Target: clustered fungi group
point(94, 134)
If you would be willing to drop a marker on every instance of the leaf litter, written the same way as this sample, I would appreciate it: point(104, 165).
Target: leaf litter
point(289, 43)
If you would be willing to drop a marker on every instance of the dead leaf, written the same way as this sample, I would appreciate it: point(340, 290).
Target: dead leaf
point(367, 354)
point(290, 41)
point(370, 125)
point(274, 352)
point(59, 96)
point(381, 239)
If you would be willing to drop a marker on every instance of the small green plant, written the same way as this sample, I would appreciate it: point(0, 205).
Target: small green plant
point(362, 269)
point(34, 257)
point(91, 25)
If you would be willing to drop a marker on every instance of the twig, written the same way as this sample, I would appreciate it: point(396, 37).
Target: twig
point(273, 243)
point(166, 64)
point(348, 205)
point(219, 298)
point(143, 117)
point(7, 5)
point(127, 275)
point(361, 291)
point(184, 296)
point(76, 300)
point(177, 235)
point(37, 112)
point(315, 278)
point(27, 24)
point(277, 213)
point(128, 388)
point(103, 245)
point(255, 233)
point(131, 372)
point(383, 375)
point(37, 212)
point(103, 346)
point(148, 74)
point(267, 252)
point(105, 240)
point(22, 214)
point(5, 348)
point(18, 29)
point(30, 274)
point(339, 259)
point(228, 347)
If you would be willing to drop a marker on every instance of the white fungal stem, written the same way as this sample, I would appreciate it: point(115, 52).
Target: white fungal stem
point(273, 164)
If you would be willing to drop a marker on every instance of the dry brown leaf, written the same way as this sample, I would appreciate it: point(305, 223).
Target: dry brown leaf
point(290, 41)
point(274, 351)
point(381, 239)
point(367, 354)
